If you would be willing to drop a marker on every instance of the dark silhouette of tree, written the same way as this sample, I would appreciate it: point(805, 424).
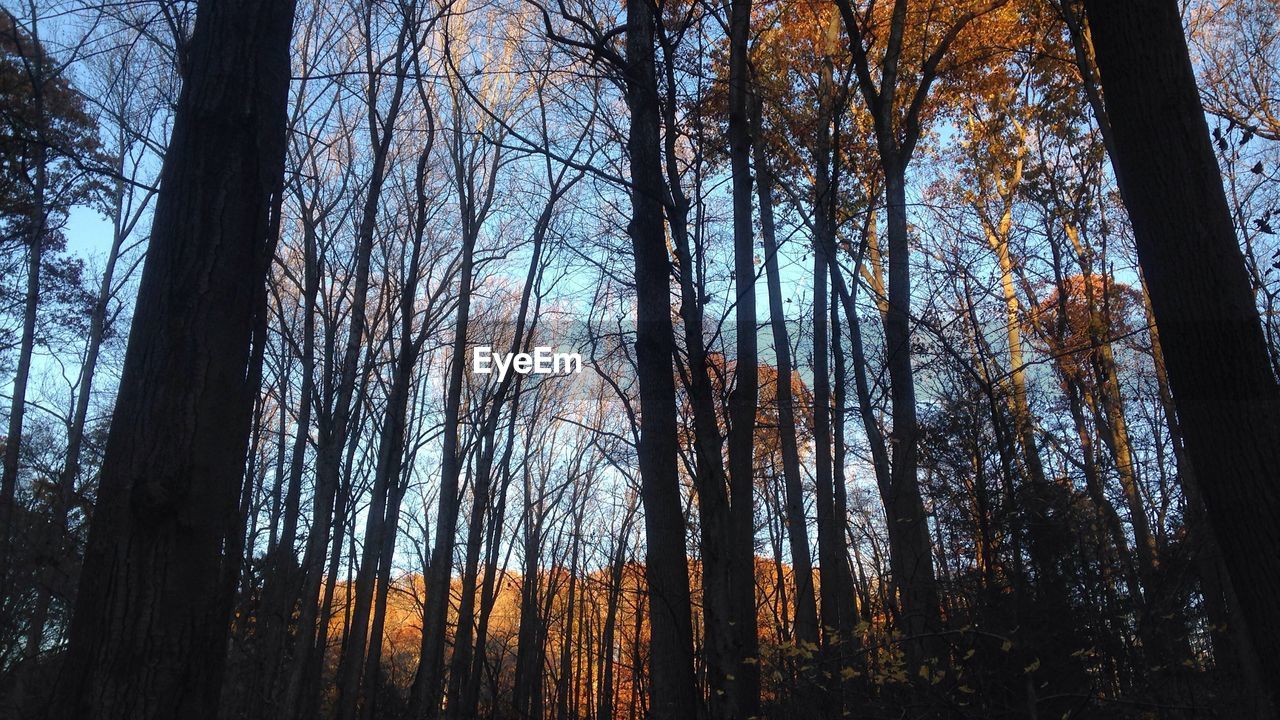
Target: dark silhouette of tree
point(672, 693)
point(1226, 396)
point(149, 632)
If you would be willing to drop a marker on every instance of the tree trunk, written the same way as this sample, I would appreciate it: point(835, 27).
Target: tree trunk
point(1232, 647)
point(835, 603)
point(912, 549)
point(528, 669)
point(384, 510)
point(1215, 352)
point(148, 639)
point(671, 690)
point(743, 665)
point(806, 613)
point(460, 663)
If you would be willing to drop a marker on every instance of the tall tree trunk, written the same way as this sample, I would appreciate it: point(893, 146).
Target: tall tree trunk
point(1215, 352)
point(336, 421)
point(351, 663)
point(64, 493)
point(306, 675)
point(461, 679)
point(489, 585)
point(26, 348)
point(427, 688)
point(837, 605)
point(384, 508)
point(528, 669)
point(912, 553)
point(1222, 607)
point(896, 135)
point(743, 664)
point(806, 613)
point(148, 639)
point(672, 690)
point(839, 494)
point(460, 664)
point(715, 521)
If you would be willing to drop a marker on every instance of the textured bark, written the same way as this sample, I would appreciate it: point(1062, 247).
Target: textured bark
point(1215, 352)
point(1232, 647)
point(148, 639)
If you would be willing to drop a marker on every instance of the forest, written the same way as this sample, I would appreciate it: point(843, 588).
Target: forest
point(639, 359)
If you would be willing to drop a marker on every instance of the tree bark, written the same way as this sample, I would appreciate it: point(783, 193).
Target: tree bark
point(1215, 352)
point(148, 639)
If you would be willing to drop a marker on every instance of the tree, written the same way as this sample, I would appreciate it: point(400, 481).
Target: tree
point(672, 692)
point(895, 88)
point(743, 663)
point(148, 638)
point(1226, 396)
point(128, 118)
point(48, 138)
